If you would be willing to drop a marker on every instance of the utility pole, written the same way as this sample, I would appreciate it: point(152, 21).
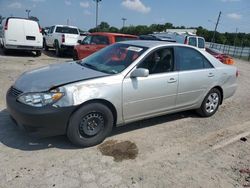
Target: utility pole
point(123, 21)
point(235, 38)
point(215, 29)
point(67, 21)
point(97, 4)
point(28, 12)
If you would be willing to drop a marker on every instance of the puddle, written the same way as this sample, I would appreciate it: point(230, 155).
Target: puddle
point(120, 151)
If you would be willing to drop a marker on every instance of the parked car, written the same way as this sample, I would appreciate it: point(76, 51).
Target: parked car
point(62, 38)
point(157, 37)
point(192, 40)
point(21, 34)
point(125, 82)
point(96, 41)
point(224, 58)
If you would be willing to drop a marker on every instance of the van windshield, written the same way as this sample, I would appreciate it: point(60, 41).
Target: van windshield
point(68, 30)
point(113, 59)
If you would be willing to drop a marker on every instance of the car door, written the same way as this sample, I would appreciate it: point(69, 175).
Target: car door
point(196, 75)
point(49, 37)
point(154, 94)
point(91, 44)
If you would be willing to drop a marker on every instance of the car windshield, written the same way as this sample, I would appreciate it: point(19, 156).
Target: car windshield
point(113, 59)
point(68, 30)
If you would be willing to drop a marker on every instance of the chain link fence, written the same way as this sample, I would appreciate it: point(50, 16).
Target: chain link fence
point(235, 51)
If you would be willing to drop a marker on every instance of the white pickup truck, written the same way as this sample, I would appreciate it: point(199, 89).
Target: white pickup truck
point(62, 38)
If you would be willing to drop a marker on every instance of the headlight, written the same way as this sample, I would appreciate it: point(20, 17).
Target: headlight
point(40, 99)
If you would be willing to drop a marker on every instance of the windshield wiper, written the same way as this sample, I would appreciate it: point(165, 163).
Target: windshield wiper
point(89, 66)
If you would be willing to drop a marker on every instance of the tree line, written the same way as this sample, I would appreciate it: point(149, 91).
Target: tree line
point(239, 39)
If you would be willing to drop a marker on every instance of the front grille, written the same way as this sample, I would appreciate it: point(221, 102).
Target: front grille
point(15, 92)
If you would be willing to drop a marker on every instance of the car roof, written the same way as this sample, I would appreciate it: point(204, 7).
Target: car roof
point(66, 26)
point(113, 34)
point(150, 43)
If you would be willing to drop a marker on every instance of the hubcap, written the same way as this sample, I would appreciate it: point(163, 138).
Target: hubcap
point(91, 124)
point(212, 102)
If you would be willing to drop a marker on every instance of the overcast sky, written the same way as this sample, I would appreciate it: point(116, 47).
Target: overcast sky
point(81, 13)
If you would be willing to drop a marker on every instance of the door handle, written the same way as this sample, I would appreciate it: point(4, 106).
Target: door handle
point(210, 74)
point(172, 80)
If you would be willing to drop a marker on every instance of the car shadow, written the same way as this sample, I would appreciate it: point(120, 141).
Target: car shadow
point(13, 137)
point(17, 53)
point(52, 53)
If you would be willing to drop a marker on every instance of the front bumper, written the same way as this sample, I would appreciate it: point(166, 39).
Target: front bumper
point(44, 121)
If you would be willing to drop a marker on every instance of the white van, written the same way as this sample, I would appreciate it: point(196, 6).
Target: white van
point(21, 34)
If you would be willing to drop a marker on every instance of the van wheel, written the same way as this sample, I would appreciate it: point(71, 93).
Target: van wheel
point(46, 48)
point(38, 53)
point(90, 125)
point(58, 51)
point(210, 103)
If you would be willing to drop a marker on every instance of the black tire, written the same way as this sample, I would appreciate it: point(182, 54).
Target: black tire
point(38, 53)
point(58, 50)
point(90, 125)
point(5, 51)
point(46, 48)
point(210, 103)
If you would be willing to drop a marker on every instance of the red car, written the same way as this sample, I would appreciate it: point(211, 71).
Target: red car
point(224, 58)
point(96, 41)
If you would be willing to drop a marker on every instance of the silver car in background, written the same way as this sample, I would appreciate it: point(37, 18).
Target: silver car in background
point(122, 83)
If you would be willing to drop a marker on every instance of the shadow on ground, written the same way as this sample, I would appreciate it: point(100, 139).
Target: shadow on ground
point(12, 136)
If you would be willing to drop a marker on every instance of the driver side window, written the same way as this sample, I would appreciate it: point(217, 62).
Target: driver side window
point(159, 61)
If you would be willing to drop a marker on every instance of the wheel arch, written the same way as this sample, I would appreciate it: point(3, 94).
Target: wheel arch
point(102, 101)
point(221, 92)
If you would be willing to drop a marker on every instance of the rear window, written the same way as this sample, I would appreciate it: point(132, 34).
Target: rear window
point(192, 41)
point(123, 38)
point(68, 30)
point(201, 43)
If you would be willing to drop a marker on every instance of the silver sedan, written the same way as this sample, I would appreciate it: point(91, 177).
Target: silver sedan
point(122, 83)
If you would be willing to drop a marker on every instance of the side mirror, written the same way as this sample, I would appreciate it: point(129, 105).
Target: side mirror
point(79, 41)
point(140, 72)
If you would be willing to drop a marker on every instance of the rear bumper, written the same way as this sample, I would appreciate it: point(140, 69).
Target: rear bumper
point(23, 47)
point(44, 121)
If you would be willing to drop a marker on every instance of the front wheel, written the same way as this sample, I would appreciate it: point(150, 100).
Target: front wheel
point(90, 125)
point(38, 53)
point(210, 103)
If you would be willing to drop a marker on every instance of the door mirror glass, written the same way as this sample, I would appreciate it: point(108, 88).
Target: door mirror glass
point(140, 72)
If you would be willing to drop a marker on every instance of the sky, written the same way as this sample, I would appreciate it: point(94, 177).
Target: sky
point(189, 13)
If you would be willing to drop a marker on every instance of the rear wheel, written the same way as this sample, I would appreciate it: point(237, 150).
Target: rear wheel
point(210, 103)
point(58, 50)
point(5, 51)
point(90, 125)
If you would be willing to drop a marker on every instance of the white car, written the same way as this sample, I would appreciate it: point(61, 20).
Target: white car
point(62, 38)
point(21, 34)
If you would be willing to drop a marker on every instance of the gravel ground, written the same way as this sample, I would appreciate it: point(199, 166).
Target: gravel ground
point(178, 150)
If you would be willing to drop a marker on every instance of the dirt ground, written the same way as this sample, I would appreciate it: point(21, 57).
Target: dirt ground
point(178, 150)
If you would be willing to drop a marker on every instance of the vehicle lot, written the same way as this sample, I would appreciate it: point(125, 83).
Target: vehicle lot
point(179, 150)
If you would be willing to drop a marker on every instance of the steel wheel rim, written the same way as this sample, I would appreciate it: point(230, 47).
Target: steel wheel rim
point(212, 102)
point(91, 124)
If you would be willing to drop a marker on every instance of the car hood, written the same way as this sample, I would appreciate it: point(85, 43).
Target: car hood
point(45, 78)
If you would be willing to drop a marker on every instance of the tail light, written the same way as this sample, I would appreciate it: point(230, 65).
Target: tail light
point(40, 29)
point(186, 40)
point(63, 38)
point(237, 73)
point(6, 25)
